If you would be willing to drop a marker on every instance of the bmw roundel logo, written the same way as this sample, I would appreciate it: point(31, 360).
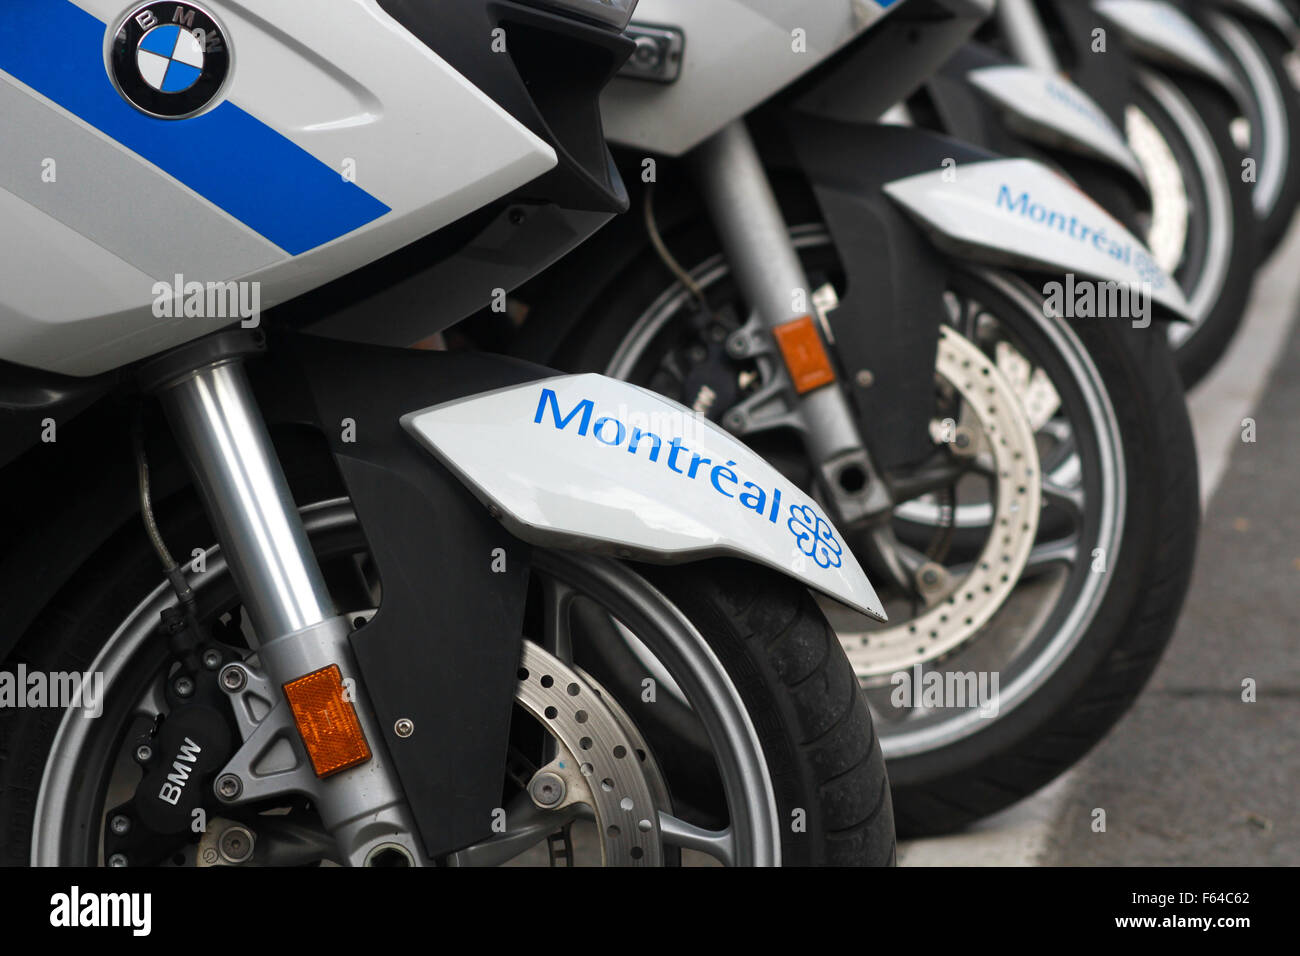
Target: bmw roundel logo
point(169, 60)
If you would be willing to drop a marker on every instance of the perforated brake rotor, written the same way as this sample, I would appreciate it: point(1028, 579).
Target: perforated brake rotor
point(1006, 437)
point(1167, 236)
point(602, 760)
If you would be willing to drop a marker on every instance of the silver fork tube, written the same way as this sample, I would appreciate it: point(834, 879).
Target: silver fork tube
point(754, 234)
point(757, 243)
point(1026, 35)
point(220, 428)
point(756, 240)
point(215, 418)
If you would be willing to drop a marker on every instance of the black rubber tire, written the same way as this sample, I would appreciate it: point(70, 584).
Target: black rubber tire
point(1198, 353)
point(948, 788)
point(805, 703)
point(1275, 50)
point(813, 723)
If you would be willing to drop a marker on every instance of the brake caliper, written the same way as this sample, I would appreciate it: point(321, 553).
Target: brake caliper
point(179, 756)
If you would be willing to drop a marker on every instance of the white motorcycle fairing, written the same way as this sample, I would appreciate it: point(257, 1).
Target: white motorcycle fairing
point(1162, 33)
point(321, 153)
point(1019, 212)
point(590, 463)
point(738, 53)
point(1049, 108)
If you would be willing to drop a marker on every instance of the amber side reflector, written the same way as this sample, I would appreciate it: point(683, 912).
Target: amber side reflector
point(327, 721)
point(804, 354)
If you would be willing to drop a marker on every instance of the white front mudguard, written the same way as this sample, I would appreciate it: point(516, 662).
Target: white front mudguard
point(1049, 108)
point(1163, 34)
point(591, 463)
point(1018, 212)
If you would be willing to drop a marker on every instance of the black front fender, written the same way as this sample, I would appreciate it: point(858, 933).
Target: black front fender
point(887, 322)
point(444, 647)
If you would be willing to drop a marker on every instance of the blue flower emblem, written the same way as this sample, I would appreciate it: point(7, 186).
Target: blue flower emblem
point(814, 536)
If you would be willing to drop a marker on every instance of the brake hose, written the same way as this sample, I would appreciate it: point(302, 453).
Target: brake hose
point(180, 626)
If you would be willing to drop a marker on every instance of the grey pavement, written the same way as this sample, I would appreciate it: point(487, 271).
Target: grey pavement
point(1193, 774)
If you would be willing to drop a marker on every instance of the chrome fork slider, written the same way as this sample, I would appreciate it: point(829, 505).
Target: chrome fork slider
point(757, 243)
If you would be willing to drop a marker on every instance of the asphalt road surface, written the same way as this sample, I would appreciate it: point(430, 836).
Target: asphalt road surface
point(1194, 774)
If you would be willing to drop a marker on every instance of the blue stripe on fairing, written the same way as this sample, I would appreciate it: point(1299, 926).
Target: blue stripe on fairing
point(228, 157)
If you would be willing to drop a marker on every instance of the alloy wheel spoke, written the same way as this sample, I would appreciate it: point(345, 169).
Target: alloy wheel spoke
point(927, 479)
point(557, 634)
point(1048, 554)
point(900, 561)
point(719, 844)
point(1069, 500)
point(528, 826)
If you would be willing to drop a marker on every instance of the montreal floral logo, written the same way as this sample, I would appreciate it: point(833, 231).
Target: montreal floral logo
point(814, 537)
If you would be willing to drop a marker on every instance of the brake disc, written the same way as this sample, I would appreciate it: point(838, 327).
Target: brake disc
point(602, 761)
point(1038, 396)
point(1004, 436)
point(650, 767)
point(1167, 237)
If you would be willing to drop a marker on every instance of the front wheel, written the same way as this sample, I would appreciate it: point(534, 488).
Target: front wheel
point(1046, 597)
point(788, 735)
point(1202, 229)
point(1116, 537)
point(1273, 115)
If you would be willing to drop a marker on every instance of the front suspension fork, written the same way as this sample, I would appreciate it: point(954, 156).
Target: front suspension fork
point(216, 421)
point(770, 275)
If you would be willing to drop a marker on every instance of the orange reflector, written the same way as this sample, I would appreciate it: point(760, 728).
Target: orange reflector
point(327, 721)
point(804, 354)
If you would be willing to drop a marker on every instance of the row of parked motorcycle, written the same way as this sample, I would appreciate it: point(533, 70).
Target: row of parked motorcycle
point(832, 480)
point(1040, 532)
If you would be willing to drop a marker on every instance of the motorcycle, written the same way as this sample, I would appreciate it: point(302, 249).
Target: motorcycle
point(281, 590)
point(865, 304)
point(1259, 37)
point(982, 97)
point(1177, 98)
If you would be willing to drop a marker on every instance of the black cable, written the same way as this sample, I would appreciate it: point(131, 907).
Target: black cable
point(179, 625)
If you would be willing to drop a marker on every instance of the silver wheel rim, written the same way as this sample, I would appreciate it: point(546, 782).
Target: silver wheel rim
point(895, 741)
point(1209, 282)
point(1274, 134)
point(1110, 511)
